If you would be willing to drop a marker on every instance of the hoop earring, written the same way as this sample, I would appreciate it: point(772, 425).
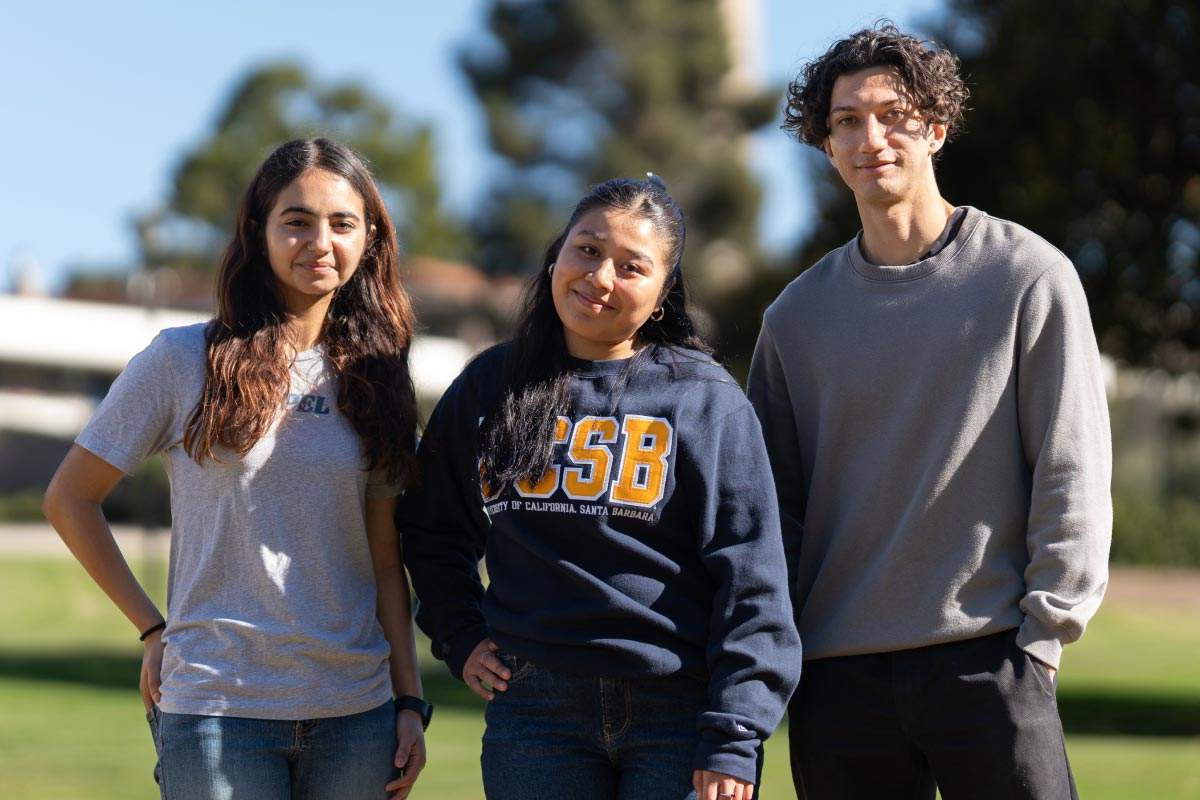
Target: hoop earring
point(661, 313)
point(550, 269)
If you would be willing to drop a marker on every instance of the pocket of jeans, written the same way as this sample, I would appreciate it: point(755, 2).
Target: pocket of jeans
point(519, 668)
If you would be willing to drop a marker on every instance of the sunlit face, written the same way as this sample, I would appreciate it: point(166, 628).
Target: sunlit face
point(316, 235)
point(878, 142)
point(608, 279)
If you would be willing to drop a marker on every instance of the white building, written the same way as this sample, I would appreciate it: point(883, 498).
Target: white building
point(58, 357)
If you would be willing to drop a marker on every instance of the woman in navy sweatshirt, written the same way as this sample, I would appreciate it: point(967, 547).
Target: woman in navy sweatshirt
point(636, 637)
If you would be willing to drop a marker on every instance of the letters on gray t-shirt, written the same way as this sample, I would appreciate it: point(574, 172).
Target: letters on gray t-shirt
point(271, 589)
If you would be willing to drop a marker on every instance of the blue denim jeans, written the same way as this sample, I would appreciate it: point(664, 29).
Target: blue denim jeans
point(555, 734)
point(222, 758)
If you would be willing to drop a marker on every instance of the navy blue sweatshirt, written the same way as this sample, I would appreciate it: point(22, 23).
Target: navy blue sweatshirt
point(651, 547)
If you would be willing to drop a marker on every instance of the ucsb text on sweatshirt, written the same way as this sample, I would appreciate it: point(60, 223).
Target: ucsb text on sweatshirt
point(940, 442)
point(651, 547)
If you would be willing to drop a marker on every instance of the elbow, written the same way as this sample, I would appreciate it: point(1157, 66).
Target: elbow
point(52, 502)
point(58, 501)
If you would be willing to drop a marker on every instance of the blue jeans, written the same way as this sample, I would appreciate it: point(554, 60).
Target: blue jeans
point(223, 758)
point(555, 734)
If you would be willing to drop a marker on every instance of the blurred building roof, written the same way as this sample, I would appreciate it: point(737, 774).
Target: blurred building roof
point(54, 334)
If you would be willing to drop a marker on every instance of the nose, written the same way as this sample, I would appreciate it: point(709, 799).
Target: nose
point(874, 134)
point(321, 238)
point(604, 274)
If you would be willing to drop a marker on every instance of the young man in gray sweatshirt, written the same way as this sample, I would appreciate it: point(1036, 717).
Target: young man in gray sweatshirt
point(932, 400)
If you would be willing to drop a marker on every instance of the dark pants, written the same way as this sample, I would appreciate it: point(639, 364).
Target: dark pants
point(976, 719)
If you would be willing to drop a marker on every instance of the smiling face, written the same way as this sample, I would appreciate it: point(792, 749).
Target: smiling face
point(316, 234)
point(608, 279)
point(878, 142)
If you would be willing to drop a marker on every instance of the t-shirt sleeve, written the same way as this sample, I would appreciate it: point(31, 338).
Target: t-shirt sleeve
point(141, 415)
point(379, 486)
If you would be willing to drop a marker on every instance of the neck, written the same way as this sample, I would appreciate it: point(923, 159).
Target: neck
point(308, 321)
point(601, 351)
point(900, 233)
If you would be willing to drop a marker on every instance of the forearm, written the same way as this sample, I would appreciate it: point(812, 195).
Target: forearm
point(85, 531)
point(394, 610)
point(392, 605)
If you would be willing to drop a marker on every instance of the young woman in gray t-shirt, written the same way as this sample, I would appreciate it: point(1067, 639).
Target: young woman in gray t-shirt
point(287, 427)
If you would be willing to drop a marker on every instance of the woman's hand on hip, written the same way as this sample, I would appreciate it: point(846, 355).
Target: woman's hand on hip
point(718, 786)
point(484, 668)
point(410, 754)
point(151, 678)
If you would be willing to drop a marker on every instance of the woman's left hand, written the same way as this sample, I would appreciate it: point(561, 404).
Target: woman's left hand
point(718, 786)
point(410, 754)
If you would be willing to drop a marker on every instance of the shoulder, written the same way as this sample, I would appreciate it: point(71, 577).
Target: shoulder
point(703, 385)
point(172, 348)
point(682, 364)
point(1024, 250)
point(182, 341)
point(481, 375)
point(807, 287)
point(488, 363)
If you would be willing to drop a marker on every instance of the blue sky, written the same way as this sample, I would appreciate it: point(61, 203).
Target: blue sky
point(102, 99)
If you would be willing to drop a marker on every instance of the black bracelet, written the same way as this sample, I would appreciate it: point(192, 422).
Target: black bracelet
point(409, 703)
point(160, 626)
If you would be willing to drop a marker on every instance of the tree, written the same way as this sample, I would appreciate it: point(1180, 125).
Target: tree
point(272, 105)
point(576, 93)
point(1084, 127)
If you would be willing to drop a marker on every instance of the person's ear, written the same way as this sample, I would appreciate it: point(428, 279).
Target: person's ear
point(937, 136)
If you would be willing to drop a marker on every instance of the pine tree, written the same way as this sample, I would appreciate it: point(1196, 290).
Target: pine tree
point(272, 105)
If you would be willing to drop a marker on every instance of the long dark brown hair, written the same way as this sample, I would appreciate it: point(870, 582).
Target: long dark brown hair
point(517, 436)
point(367, 333)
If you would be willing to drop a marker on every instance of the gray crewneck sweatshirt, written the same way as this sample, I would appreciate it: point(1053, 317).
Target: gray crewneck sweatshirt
point(940, 442)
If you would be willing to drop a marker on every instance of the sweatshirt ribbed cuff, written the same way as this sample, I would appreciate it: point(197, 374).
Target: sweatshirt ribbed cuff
point(738, 759)
point(1040, 640)
point(458, 650)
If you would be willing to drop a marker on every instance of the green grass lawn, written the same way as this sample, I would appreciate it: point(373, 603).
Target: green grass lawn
point(71, 723)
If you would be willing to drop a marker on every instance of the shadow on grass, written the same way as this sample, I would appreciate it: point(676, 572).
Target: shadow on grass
point(1129, 715)
point(105, 669)
point(1094, 713)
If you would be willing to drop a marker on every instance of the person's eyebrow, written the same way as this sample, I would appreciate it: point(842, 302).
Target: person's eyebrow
point(311, 213)
point(895, 101)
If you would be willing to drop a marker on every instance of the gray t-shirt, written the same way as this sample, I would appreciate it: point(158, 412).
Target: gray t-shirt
point(271, 588)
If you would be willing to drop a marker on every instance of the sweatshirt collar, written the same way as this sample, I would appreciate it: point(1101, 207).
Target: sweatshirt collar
point(950, 244)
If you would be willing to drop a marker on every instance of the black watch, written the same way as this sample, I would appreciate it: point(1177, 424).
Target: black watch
point(409, 703)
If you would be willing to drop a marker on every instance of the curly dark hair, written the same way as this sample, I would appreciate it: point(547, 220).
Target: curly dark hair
point(929, 70)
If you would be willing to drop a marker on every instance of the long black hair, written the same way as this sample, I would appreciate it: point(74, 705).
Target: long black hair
point(517, 436)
